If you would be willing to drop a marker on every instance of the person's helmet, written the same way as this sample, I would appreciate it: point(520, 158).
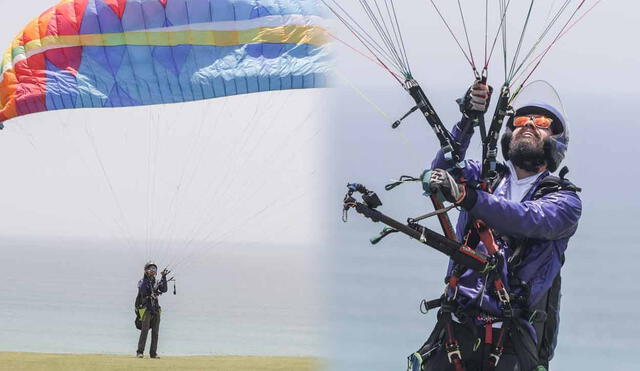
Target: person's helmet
point(150, 264)
point(539, 97)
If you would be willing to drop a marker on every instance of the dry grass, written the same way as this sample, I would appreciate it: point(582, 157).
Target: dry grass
point(98, 362)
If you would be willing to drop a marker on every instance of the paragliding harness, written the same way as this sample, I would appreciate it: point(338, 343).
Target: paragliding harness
point(140, 308)
point(139, 314)
point(464, 256)
point(543, 315)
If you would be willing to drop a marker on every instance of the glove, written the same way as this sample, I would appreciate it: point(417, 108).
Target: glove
point(442, 181)
point(476, 99)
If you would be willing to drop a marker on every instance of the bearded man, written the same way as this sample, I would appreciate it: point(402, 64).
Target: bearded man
point(506, 319)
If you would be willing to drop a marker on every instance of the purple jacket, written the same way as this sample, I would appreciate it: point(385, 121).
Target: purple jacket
point(547, 223)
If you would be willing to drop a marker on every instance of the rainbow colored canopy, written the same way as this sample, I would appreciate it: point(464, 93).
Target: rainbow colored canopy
point(115, 53)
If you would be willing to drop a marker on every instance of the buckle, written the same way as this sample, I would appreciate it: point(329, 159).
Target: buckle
point(495, 358)
point(491, 265)
point(495, 355)
point(446, 292)
point(537, 315)
point(453, 350)
point(503, 295)
point(501, 291)
point(477, 344)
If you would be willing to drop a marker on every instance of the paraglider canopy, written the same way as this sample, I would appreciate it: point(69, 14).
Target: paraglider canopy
point(107, 53)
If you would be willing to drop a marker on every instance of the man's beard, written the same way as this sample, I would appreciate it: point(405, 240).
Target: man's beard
point(526, 155)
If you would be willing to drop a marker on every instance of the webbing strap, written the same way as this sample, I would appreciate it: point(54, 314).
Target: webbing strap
point(498, 348)
point(451, 345)
point(488, 333)
point(486, 236)
point(480, 232)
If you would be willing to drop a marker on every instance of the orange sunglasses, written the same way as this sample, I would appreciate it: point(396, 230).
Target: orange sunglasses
point(539, 121)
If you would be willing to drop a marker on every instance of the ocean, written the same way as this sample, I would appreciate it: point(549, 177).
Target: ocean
point(74, 296)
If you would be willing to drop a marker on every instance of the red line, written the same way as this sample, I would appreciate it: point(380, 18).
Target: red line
point(543, 54)
point(376, 60)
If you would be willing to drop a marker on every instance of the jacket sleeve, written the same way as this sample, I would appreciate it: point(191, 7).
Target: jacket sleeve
point(551, 217)
point(162, 286)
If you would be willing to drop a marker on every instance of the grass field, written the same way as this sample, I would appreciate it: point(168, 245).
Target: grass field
point(97, 362)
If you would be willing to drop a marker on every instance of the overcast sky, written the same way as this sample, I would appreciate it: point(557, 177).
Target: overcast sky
point(598, 50)
point(233, 169)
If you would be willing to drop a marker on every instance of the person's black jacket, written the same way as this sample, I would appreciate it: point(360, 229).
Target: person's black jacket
point(147, 287)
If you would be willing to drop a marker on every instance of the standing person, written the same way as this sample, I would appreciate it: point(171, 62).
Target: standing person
point(148, 309)
point(506, 319)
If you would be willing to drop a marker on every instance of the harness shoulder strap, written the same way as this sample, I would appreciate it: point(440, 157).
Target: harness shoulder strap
point(553, 183)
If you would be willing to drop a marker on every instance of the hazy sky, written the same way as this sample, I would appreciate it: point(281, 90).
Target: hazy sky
point(234, 169)
point(597, 51)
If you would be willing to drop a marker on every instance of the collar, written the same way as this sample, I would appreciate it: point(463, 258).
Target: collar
point(514, 176)
point(505, 184)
